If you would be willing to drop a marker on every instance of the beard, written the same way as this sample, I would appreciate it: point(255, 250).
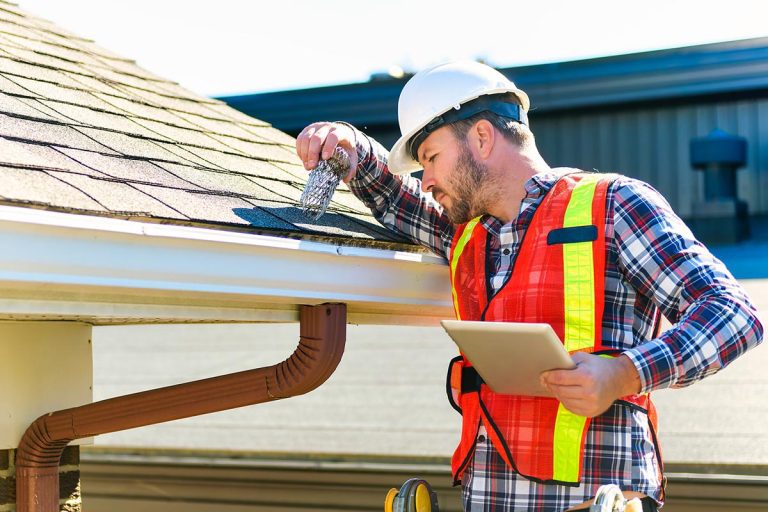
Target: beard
point(469, 181)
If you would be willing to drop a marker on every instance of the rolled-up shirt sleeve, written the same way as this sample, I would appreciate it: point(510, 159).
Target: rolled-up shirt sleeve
point(713, 319)
point(398, 201)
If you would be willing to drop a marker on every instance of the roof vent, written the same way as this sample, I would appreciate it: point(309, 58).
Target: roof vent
point(721, 218)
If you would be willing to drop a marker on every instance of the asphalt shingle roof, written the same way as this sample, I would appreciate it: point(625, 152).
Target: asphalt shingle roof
point(85, 131)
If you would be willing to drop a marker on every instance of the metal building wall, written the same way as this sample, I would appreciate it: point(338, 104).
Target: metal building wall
point(651, 143)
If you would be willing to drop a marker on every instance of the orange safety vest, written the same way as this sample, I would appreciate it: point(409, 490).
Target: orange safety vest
point(557, 278)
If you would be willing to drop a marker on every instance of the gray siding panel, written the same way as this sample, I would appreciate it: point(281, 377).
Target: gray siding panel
point(760, 143)
point(183, 483)
point(652, 145)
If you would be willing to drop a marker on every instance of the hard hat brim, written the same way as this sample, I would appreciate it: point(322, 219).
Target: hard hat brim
point(400, 161)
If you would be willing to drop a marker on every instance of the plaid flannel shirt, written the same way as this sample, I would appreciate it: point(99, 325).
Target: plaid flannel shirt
point(653, 264)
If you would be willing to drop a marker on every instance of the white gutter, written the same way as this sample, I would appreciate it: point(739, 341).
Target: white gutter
point(103, 271)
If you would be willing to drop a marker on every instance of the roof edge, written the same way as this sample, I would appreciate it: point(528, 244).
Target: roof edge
point(105, 271)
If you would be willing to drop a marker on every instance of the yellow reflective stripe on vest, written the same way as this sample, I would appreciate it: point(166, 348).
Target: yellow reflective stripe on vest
point(579, 295)
point(566, 456)
point(578, 271)
point(465, 236)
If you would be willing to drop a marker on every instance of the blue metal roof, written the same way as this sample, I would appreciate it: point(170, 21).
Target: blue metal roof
point(729, 68)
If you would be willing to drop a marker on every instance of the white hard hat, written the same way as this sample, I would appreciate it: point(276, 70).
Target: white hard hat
point(433, 92)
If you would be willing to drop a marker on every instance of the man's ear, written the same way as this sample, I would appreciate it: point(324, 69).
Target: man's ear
point(482, 137)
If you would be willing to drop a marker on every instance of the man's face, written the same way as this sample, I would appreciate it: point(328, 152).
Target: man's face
point(453, 175)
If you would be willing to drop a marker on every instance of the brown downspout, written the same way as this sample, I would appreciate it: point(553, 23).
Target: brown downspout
point(321, 344)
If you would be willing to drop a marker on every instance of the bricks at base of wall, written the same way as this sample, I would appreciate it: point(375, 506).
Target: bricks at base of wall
point(7, 491)
point(69, 481)
point(7, 481)
point(73, 502)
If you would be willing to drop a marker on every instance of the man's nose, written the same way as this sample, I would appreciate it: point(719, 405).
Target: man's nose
point(427, 179)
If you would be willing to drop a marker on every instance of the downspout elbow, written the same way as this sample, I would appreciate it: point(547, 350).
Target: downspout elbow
point(314, 360)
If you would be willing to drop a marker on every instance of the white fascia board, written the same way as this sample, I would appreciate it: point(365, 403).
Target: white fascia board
point(101, 270)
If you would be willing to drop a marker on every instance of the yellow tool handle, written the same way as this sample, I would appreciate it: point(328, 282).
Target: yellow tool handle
point(389, 501)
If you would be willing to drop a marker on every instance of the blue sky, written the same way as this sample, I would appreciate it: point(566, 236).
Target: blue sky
point(236, 46)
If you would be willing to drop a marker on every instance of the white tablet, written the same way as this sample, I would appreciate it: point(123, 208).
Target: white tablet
point(510, 356)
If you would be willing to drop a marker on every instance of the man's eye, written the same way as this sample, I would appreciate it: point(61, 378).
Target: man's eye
point(431, 159)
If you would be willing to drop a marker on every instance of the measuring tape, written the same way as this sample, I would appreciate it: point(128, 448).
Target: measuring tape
point(609, 498)
point(415, 495)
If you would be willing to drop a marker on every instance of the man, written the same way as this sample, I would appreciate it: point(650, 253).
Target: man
point(597, 256)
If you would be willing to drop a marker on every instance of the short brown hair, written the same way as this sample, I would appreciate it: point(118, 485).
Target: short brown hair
point(515, 132)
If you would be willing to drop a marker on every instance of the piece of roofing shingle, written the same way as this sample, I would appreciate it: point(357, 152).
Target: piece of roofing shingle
point(48, 112)
point(221, 109)
point(223, 160)
point(40, 45)
point(40, 188)
point(287, 190)
point(13, 67)
point(265, 147)
point(217, 209)
point(222, 127)
point(183, 156)
point(270, 152)
point(173, 89)
point(17, 107)
point(130, 170)
point(169, 102)
point(187, 136)
point(127, 145)
point(271, 134)
point(48, 133)
point(44, 60)
point(86, 45)
point(119, 197)
point(11, 87)
point(378, 231)
point(102, 120)
point(56, 92)
point(10, 27)
point(95, 85)
point(39, 156)
point(141, 110)
point(123, 79)
point(218, 181)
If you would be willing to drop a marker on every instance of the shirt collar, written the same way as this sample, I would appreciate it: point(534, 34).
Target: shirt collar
point(541, 183)
point(535, 188)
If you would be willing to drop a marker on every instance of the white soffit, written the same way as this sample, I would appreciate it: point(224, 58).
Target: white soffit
point(104, 271)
